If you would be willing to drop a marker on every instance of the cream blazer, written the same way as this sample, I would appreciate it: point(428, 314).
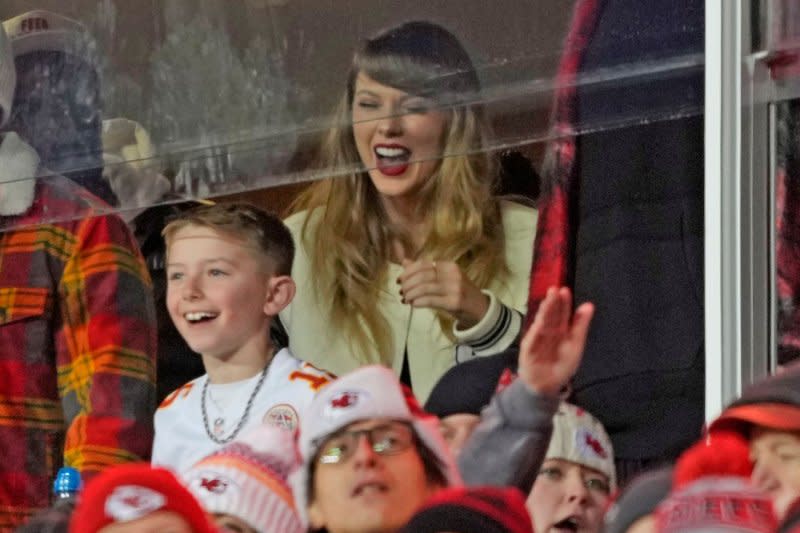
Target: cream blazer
point(431, 353)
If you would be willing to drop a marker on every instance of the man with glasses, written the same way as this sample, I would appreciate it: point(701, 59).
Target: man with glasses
point(371, 456)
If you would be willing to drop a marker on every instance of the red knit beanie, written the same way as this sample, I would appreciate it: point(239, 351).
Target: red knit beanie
point(128, 492)
point(720, 453)
point(470, 509)
point(712, 490)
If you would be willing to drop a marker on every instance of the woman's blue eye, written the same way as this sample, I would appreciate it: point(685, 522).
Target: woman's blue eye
point(175, 276)
point(216, 272)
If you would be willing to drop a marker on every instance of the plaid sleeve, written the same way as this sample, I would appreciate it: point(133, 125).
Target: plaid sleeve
point(555, 231)
point(106, 348)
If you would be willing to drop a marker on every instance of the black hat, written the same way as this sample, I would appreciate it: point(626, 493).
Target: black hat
point(468, 510)
point(640, 498)
point(468, 387)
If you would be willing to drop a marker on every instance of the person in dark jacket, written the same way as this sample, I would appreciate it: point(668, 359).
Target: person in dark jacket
point(621, 220)
point(57, 107)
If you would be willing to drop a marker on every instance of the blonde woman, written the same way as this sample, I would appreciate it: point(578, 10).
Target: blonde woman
point(408, 260)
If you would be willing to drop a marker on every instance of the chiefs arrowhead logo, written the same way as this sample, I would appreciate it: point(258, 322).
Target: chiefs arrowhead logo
point(343, 400)
point(589, 445)
point(214, 484)
point(129, 502)
point(596, 446)
point(210, 482)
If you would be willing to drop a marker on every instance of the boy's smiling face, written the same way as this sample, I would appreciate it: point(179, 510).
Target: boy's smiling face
point(217, 291)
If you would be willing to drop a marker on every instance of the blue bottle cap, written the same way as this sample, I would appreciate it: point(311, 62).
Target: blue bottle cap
point(68, 481)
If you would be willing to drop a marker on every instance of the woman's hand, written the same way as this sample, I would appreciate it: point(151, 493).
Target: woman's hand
point(552, 348)
point(442, 285)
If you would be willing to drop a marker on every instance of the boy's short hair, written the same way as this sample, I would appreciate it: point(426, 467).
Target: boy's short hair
point(264, 231)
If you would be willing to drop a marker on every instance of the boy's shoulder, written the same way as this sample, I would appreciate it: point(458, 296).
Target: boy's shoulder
point(181, 393)
point(299, 372)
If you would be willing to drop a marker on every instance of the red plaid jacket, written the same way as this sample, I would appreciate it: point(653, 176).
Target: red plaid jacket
point(77, 346)
point(554, 245)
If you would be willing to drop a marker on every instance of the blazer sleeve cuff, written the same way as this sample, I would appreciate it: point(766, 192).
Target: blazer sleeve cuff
point(492, 334)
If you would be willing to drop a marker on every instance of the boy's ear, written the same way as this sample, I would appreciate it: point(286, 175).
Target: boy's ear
point(280, 292)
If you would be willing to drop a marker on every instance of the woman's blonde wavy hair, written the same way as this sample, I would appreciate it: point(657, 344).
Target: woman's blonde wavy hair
point(349, 237)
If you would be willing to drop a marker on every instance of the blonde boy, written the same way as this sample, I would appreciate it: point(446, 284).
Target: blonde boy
point(228, 275)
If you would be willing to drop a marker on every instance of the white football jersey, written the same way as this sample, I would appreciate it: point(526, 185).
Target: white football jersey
point(181, 436)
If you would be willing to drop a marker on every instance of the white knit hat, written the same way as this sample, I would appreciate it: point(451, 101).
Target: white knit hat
point(580, 438)
point(8, 77)
point(367, 393)
point(41, 30)
point(248, 479)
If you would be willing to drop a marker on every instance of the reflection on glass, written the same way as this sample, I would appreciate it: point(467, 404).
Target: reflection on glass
point(57, 107)
point(782, 22)
point(210, 95)
point(236, 96)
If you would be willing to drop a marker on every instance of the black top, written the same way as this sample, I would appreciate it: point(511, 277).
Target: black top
point(639, 243)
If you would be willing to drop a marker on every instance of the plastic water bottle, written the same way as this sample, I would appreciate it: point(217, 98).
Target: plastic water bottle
point(67, 484)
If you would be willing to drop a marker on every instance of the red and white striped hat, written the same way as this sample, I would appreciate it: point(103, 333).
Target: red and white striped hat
point(247, 479)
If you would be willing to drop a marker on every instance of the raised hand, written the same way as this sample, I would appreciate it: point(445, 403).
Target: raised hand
point(552, 348)
point(442, 285)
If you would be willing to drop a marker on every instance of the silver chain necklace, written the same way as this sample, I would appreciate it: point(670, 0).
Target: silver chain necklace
point(245, 415)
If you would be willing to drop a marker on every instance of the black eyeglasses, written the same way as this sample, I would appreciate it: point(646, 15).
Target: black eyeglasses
point(387, 439)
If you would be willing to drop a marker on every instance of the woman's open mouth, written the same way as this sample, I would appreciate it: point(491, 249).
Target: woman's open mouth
point(392, 160)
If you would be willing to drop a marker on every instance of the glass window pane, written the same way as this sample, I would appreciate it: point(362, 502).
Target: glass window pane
point(179, 99)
